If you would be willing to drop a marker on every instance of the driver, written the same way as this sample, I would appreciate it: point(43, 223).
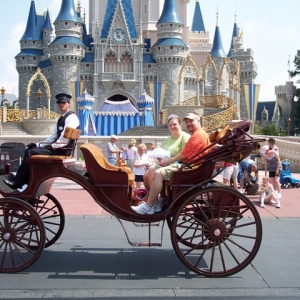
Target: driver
point(53, 145)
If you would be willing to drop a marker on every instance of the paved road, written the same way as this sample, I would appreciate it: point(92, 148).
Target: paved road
point(92, 259)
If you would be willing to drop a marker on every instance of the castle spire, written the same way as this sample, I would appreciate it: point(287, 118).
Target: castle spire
point(30, 32)
point(170, 13)
point(198, 23)
point(67, 12)
point(217, 48)
point(234, 34)
point(47, 23)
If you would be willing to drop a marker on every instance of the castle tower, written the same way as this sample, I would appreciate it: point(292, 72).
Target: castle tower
point(234, 35)
point(169, 52)
point(47, 34)
point(118, 55)
point(217, 53)
point(66, 50)
point(27, 61)
point(199, 40)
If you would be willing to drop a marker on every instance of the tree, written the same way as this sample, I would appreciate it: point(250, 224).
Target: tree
point(293, 74)
point(296, 72)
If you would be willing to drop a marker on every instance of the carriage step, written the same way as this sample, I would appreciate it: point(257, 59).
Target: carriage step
point(146, 224)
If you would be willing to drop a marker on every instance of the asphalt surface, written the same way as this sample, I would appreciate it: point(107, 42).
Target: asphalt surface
point(92, 259)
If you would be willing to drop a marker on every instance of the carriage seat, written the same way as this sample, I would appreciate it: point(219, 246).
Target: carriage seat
point(70, 133)
point(100, 171)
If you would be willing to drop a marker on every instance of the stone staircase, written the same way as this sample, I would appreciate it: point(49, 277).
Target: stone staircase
point(12, 128)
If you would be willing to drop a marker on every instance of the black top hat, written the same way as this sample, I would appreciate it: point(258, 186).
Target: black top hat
point(63, 97)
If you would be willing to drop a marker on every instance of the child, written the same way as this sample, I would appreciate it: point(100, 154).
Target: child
point(129, 154)
point(268, 193)
point(140, 165)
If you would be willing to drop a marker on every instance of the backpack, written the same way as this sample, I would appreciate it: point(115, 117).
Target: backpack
point(252, 189)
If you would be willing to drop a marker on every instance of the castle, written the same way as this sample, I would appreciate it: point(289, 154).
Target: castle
point(132, 46)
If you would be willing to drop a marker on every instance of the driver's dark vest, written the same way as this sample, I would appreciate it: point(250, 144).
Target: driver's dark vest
point(61, 124)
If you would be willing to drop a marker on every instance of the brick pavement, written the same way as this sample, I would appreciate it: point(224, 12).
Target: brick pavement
point(76, 201)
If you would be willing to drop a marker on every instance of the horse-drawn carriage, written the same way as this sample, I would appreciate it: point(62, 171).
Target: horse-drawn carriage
point(215, 230)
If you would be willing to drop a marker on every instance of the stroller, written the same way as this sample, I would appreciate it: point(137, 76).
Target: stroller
point(286, 179)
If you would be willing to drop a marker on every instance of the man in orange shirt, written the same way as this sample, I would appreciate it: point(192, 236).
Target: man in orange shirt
point(198, 141)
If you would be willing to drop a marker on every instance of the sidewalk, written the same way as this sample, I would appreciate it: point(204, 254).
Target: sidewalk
point(76, 201)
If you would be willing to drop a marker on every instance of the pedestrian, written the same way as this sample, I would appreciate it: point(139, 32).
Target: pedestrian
point(250, 172)
point(55, 144)
point(267, 192)
point(140, 165)
point(273, 163)
point(113, 150)
point(230, 172)
point(129, 154)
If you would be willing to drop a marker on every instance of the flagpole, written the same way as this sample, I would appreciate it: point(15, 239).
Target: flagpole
point(289, 69)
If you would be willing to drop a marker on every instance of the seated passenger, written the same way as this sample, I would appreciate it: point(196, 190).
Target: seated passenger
point(53, 145)
point(197, 142)
point(174, 144)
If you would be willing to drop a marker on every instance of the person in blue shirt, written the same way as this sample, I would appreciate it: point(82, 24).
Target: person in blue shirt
point(250, 172)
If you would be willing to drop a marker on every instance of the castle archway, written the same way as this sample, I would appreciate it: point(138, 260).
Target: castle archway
point(37, 74)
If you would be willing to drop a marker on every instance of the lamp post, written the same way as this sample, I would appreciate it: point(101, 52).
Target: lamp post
point(2, 93)
point(289, 121)
point(39, 94)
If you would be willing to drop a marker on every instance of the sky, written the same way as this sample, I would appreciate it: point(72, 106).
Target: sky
point(270, 27)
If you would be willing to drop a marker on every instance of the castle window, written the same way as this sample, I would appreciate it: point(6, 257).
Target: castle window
point(87, 65)
point(66, 23)
point(158, 48)
point(149, 66)
point(33, 42)
point(171, 25)
point(145, 9)
point(25, 42)
point(23, 58)
point(34, 58)
point(78, 47)
point(45, 32)
point(171, 47)
point(75, 24)
point(161, 25)
point(65, 46)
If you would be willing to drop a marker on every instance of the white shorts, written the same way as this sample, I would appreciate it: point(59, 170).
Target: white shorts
point(227, 172)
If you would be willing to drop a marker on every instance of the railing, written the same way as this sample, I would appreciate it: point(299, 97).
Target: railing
point(18, 115)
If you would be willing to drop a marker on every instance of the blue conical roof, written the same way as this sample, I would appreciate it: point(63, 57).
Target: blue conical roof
point(217, 48)
point(67, 12)
point(170, 13)
point(234, 34)
point(198, 24)
point(47, 23)
point(34, 25)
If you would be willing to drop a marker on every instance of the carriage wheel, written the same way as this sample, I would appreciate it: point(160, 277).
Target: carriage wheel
point(22, 235)
point(52, 214)
point(192, 242)
point(218, 238)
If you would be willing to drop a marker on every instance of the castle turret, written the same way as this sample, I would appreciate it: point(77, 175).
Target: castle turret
point(217, 47)
point(47, 36)
point(234, 35)
point(169, 51)
point(198, 23)
point(31, 45)
point(67, 49)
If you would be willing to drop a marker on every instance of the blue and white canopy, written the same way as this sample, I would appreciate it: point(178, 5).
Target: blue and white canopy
point(86, 114)
point(145, 104)
point(115, 117)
